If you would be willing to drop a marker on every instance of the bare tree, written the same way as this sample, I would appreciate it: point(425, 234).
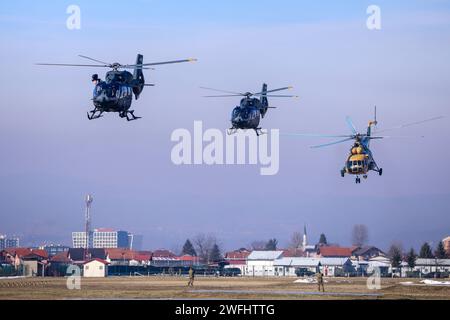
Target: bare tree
point(360, 235)
point(204, 244)
point(296, 240)
point(258, 245)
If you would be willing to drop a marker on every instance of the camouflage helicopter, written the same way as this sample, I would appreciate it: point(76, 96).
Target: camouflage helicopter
point(360, 159)
point(115, 93)
point(250, 110)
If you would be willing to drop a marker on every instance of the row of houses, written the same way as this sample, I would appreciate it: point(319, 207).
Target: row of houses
point(330, 260)
point(37, 262)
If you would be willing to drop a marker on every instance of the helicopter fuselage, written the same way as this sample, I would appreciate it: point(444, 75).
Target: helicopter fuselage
point(360, 160)
point(115, 94)
point(248, 114)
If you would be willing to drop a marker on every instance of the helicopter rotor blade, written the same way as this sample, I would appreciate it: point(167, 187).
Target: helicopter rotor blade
point(410, 124)
point(92, 59)
point(224, 91)
point(313, 135)
point(273, 90)
point(72, 65)
point(351, 125)
point(331, 143)
point(281, 96)
point(390, 137)
point(159, 63)
point(223, 96)
point(141, 68)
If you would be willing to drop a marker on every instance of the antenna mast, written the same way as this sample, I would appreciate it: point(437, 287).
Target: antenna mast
point(87, 221)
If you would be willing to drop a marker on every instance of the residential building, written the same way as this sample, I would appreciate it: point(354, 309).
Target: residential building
point(425, 266)
point(77, 255)
point(293, 252)
point(26, 261)
point(187, 260)
point(33, 264)
point(95, 268)
point(288, 266)
point(367, 252)
point(380, 264)
point(58, 264)
point(446, 242)
point(237, 259)
point(336, 266)
point(119, 256)
point(261, 263)
point(330, 267)
point(54, 249)
point(335, 252)
point(164, 258)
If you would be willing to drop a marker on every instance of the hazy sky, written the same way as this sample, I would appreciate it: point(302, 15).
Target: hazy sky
point(51, 155)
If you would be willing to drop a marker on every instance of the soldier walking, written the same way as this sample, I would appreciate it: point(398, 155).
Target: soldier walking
point(320, 281)
point(191, 277)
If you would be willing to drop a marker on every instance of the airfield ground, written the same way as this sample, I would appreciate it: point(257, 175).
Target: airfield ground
point(158, 287)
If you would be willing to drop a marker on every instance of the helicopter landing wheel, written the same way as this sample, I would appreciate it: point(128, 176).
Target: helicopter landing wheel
point(380, 172)
point(342, 173)
point(358, 180)
point(259, 131)
point(231, 131)
point(92, 114)
point(129, 115)
point(365, 176)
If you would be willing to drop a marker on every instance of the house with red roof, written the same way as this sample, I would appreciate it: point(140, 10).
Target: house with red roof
point(237, 259)
point(335, 252)
point(14, 256)
point(188, 260)
point(293, 252)
point(119, 256)
point(142, 258)
point(164, 258)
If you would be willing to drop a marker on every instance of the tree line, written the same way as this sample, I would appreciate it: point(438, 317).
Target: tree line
point(396, 254)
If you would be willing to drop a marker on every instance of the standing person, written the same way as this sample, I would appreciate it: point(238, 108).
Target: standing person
point(191, 277)
point(320, 281)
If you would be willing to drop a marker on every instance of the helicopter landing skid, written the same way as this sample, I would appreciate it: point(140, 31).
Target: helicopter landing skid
point(92, 114)
point(125, 114)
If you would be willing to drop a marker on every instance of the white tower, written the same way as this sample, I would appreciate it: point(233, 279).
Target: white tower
point(87, 220)
point(305, 242)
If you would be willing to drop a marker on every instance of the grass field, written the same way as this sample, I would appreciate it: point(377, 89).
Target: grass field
point(214, 288)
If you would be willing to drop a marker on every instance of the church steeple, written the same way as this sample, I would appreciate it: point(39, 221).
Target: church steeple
point(305, 242)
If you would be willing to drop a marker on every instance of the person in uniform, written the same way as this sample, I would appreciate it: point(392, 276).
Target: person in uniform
point(191, 277)
point(320, 281)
